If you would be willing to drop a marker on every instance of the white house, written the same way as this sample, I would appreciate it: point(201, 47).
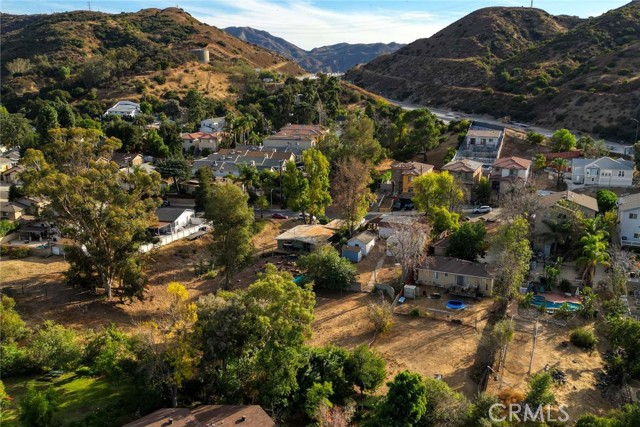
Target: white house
point(215, 124)
point(171, 220)
point(629, 220)
point(359, 246)
point(605, 172)
point(124, 109)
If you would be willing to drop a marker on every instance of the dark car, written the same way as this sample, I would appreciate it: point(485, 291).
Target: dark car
point(279, 216)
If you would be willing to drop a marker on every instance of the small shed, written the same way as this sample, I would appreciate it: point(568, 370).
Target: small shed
point(410, 291)
point(352, 253)
point(365, 241)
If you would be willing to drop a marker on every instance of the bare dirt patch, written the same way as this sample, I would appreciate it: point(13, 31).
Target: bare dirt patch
point(429, 347)
point(580, 366)
point(516, 145)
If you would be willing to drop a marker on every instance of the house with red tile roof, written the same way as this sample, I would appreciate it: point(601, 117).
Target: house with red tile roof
point(509, 171)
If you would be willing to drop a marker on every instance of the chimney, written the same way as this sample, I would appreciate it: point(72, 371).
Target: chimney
point(170, 421)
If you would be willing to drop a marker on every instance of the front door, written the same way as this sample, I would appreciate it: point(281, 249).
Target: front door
point(460, 280)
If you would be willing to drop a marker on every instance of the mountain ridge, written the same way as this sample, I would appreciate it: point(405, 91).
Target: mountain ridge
point(522, 63)
point(338, 57)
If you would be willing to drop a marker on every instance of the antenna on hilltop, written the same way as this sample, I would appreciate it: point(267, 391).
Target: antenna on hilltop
point(89, 3)
point(531, 4)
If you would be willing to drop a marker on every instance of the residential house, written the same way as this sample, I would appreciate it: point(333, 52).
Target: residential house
point(296, 136)
point(37, 231)
point(228, 161)
point(359, 246)
point(171, 220)
point(12, 211)
point(403, 174)
point(12, 175)
point(124, 109)
point(307, 237)
point(198, 141)
point(213, 125)
point(207, 416)
point(125, 160)
point(482, 143)
point(629, 220)
point(456, 275)
point(554, 206)
point(509, 171)
point(465, 171)
point(604, 172)
point(6, 164)
point(387, 224)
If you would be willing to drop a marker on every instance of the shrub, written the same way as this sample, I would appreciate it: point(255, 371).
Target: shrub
point(84, 371)
point(55, 347)
point(540, 392)
point(160, 79)
point(380, 316)
point(415, 312)
point(565, 285)
point(563, 312)
point(15, 252)
point(509, 396)
point(583, 338)
point(13, 360)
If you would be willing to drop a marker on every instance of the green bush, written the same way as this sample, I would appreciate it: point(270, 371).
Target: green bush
point(14, 360)
point(15, 252)
point(160, 79)
point(415, 312)
point(583, 338)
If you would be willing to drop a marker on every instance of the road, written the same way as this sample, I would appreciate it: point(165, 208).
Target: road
point(448, 115)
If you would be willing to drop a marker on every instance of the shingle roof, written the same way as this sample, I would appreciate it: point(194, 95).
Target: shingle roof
point(462, 165)
point(456, 266)
point(169, 214)
point(11, 207)
point(482, 133)
point(632, 201)
point(308, 233)
point(413, 168)
point(364, 237)
point(512, 163)
point(579, 199)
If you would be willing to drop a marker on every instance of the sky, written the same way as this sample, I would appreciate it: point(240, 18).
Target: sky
point(314, 23)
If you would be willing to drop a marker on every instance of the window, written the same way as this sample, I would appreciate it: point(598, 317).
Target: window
point(636, 235)
point(620, 174)
point(435, 274)
point(513, 172)
point(446, 274)
point(633, 216)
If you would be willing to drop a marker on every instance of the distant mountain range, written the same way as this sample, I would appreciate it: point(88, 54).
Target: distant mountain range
point(330, 59)
point(523, 63)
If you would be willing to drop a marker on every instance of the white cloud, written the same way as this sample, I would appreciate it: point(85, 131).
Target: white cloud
point(309, 26)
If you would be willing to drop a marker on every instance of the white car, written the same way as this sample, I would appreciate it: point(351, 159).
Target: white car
point(482, 210)
point(302, 216)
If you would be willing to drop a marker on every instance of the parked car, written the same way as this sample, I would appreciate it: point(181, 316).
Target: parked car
point(482, 210)
point(279, 216)
point(302, 216)
point(396, 206)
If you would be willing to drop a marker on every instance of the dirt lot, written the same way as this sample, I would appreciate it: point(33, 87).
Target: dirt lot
point(515, 145)
point(579, 365)
point(38, 286)
point(426, 346)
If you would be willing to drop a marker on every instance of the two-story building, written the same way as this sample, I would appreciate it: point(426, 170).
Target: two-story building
point(554, 207)
point(198, 141)
point(403, 174)
point(604, 172)
point(629, 220)
point(465, 171)
point(296, 136)
point(508, 172)
point(482, 143)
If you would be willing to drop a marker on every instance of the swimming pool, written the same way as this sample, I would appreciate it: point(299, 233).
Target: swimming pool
point(540, 301)
point(455, 304)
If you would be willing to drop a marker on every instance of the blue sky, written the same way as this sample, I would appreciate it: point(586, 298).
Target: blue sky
point(309, 23)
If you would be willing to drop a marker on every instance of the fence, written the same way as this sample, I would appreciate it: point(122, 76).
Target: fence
point(166, 239)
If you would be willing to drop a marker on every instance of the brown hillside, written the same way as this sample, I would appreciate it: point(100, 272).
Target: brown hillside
point(523, 63)
point(162, 39)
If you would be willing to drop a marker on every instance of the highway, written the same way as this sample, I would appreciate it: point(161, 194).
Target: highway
point(448, 115)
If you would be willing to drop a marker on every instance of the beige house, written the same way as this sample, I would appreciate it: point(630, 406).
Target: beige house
point(403, 175)
point(553, 205)
point(12, 211)
point(456, 275)
point(465, 171)
point(300, 137)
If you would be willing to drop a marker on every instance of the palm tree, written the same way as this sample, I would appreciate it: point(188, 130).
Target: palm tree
point(560, 165)
point(594, 252)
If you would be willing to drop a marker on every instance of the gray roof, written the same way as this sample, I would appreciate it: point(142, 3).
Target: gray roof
point(169, 214)
point(456, 266)
point(364, 237)
point(604, 163)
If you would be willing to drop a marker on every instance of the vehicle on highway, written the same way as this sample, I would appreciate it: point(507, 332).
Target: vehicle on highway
point(482, 210)
point(279, 216)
